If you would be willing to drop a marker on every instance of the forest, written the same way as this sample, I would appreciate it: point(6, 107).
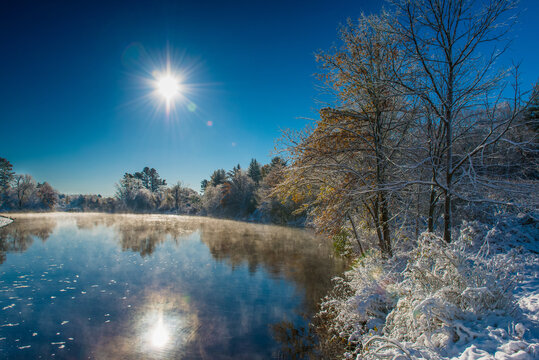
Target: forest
point(237, 194)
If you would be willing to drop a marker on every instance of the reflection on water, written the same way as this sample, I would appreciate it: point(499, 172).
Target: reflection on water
point(298, 342)
point(159, 333)
point(282, 252)
point(156, 287)
point(19, 236)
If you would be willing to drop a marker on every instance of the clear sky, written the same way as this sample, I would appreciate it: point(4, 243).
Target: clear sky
point(75, 104)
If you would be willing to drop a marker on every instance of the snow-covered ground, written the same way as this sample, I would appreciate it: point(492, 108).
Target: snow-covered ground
point(477, 298)
point(4, 221)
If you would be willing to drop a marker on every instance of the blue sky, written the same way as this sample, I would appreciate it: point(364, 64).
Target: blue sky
point(75, 105)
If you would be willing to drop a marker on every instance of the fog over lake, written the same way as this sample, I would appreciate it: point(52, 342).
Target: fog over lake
point(155, 286)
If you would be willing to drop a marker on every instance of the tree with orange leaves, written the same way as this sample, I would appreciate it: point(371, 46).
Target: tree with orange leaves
point(341, 167)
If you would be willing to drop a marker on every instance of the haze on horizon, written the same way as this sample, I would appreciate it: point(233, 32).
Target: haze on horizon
point(78, 109)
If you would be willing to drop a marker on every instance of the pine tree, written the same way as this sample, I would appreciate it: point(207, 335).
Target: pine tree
point(150, 179)
point(235, 170)
point(254, 171)
point(276, 162)
point(203, 185)
point(218, 177)
point(6, 175)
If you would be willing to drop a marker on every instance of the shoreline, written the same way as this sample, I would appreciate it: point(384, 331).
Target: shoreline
point(4, 217)
point(5, 221)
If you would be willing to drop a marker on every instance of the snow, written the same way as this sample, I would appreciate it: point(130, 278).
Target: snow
point(530, 304)
point(477, 298)
point(4, 221)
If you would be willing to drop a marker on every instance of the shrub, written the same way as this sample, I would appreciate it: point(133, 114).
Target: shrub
point(422, 299)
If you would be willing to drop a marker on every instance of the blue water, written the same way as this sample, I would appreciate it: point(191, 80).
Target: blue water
point(154, 287)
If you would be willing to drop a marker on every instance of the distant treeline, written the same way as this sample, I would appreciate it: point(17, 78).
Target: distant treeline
point(238, 193)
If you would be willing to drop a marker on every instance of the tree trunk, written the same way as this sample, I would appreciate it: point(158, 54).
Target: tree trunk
point(417, 211)
point(376, 220)
point(384, 220)
point(447, 217)
point(449, 159)
point(432, 205)
point(380, 217)
point(361, 250)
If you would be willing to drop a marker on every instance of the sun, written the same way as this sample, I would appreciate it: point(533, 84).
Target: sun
point(168, 86)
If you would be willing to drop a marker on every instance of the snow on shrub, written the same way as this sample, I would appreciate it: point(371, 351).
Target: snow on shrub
point(361, 300)
point(433, 303)
point(445, 286)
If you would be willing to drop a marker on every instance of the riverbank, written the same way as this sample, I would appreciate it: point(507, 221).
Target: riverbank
point(299, 223)
point(5, 221)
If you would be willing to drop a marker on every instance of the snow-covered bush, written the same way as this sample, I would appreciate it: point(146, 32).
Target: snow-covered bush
point(446, 285)
point(361, 300)
point(424, 301)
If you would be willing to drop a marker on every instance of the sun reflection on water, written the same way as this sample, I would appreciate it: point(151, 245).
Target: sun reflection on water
point(165, 327)
point(160, 334)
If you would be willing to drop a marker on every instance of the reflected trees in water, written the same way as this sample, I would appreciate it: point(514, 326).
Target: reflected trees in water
point(19, 235)
point(280, 251)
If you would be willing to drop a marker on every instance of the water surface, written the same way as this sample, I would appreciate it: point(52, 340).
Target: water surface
point(100, 286)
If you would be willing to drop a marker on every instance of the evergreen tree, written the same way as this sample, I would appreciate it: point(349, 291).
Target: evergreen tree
point(254, 171)
point(150, 179)
point(203, 185)
point(6, 175)
point(276, 162)
point(155, 181)
point(218, 177)
point(235, 170)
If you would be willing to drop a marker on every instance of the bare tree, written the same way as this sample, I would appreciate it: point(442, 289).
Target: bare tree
point(455, 80)
point(24, 186)
point(181, 198)
point(176, 194)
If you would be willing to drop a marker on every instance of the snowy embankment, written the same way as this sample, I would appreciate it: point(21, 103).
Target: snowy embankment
point(476, 298)
point(4, 221)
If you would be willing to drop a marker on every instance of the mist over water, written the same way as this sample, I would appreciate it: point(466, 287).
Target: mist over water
point(155, 286)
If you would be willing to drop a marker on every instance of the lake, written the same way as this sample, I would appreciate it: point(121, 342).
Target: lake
point(99, 286)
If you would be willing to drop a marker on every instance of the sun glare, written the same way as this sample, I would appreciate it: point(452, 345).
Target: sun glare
point(168, 86)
